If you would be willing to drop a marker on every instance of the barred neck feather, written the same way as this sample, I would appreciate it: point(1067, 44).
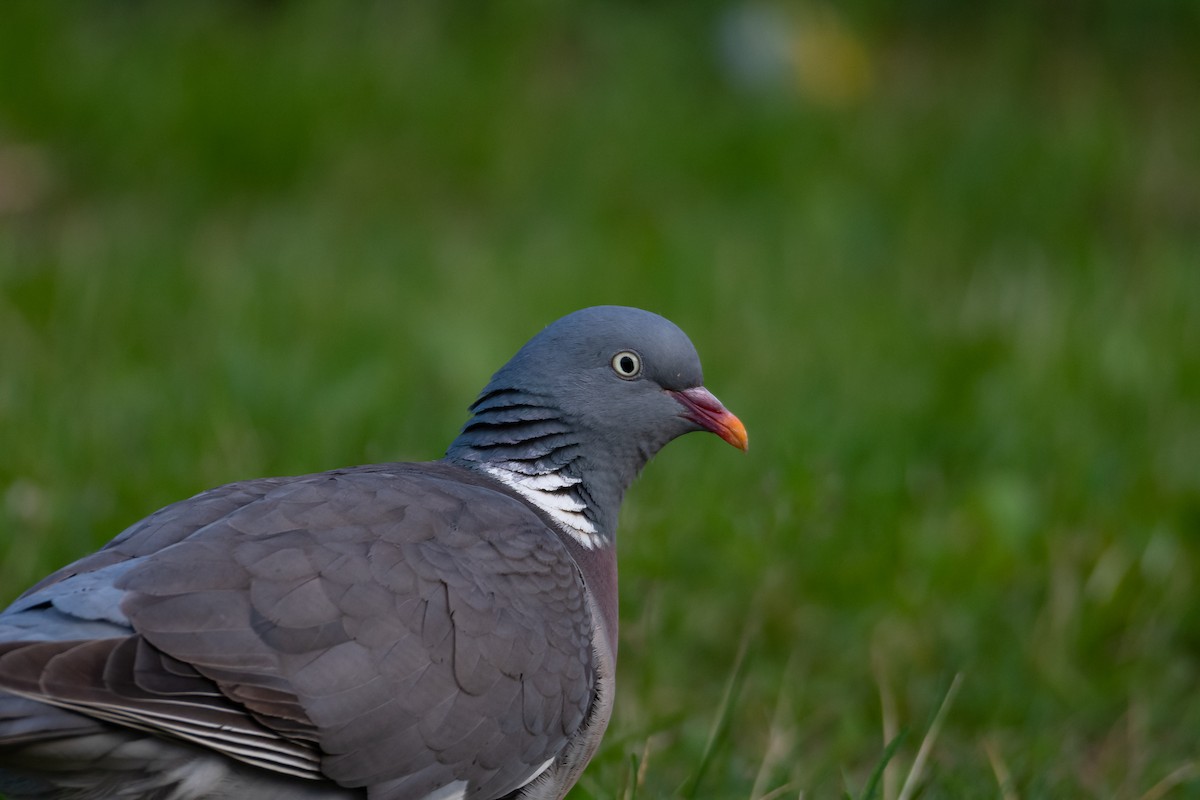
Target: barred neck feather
point(522, 440)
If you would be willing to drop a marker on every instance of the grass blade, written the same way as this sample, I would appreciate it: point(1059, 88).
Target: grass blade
point(918, 767)
point(872, 787)
point(721, 721)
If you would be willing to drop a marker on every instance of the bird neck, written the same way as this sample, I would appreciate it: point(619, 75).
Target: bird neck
point(526, 443)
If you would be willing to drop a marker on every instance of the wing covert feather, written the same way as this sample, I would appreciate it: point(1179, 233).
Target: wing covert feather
point(423, 629)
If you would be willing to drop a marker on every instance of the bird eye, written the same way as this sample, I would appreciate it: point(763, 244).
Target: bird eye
point(627, 364)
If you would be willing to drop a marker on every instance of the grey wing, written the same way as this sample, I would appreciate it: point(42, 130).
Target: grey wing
point(165, 527)
point(420, 631)
point(68, 642)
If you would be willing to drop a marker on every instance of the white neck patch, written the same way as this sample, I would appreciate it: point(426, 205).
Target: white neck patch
point(546, 492)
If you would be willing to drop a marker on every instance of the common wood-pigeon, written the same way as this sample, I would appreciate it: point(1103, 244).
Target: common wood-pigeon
point(443, 630)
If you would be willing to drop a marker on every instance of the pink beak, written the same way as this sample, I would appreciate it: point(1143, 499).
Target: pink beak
point(704, 409)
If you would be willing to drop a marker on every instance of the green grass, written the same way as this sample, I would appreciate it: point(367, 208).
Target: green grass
point(959, 314)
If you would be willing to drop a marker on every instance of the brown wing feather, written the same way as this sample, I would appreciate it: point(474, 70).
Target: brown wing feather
point(128, 682)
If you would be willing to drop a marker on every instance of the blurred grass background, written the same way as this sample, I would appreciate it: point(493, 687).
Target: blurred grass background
point(941, 258)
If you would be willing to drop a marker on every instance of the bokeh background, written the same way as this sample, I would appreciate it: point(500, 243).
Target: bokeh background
point(942, 258)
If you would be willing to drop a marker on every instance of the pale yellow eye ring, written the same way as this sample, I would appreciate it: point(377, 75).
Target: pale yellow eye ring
point(627, 364)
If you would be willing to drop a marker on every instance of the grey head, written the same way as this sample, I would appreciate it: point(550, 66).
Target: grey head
point(573, 417)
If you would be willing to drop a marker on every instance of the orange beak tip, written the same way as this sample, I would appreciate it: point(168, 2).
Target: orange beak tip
point(737, 434)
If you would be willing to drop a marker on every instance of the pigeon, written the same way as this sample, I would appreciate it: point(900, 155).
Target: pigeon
point(444, 630)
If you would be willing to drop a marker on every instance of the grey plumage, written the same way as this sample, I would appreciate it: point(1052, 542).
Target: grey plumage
point(436, 630)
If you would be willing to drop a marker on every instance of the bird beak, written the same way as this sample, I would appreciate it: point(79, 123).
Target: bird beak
point(704, 409)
